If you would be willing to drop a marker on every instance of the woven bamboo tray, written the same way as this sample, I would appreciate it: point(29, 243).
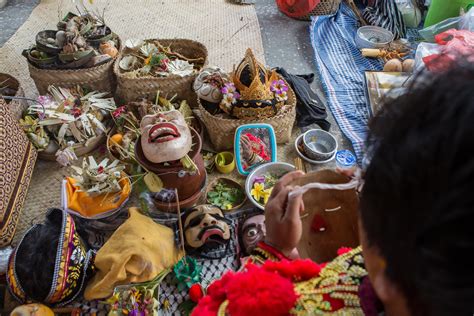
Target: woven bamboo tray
point(80, 150)
point(131, 89)
point(221, 130)
point(17, 107)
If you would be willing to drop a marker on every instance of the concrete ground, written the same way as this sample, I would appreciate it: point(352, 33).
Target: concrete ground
point(286, 42)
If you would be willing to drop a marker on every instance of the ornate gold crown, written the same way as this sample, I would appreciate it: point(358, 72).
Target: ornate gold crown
point(252, 80)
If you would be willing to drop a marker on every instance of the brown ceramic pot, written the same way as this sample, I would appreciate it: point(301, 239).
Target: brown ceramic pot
point(173, 175)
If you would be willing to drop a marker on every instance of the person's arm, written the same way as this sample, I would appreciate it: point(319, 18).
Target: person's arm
point(283, 223)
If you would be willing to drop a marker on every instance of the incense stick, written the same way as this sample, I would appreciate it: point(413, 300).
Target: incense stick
point(180, 224)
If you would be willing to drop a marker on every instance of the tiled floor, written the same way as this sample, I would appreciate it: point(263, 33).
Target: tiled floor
point(286, 41)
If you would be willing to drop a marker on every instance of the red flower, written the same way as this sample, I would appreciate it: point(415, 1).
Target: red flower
point(119, 111)
point(195, 292)
point(76, 112)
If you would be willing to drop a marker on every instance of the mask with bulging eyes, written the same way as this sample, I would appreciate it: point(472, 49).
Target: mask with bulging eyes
point(205, 225)
point(165, 136)
point(253, 231)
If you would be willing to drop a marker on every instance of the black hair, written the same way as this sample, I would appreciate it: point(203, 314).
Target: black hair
point(417, 204)
point(35, 259)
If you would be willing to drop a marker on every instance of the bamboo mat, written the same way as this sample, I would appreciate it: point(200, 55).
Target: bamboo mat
point(226, 29)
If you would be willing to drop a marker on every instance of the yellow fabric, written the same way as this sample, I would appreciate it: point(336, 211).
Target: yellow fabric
point(137, 252)
point(89, 206)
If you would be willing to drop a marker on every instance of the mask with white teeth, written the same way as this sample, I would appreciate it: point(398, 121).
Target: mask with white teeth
point(165, 137)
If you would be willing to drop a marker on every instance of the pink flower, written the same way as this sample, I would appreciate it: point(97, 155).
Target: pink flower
point(278, 87)
point(119, 111)
point(228, 88)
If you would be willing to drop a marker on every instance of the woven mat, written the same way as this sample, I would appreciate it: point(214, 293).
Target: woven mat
point(226, 29)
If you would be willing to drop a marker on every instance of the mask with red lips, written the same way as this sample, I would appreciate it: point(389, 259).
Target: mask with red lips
point(205, 227)
point(165, 136)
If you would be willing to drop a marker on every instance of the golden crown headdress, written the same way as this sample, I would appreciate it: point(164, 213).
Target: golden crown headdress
point(252, 79)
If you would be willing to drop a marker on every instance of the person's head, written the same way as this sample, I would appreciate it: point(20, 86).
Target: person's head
point(417, 203)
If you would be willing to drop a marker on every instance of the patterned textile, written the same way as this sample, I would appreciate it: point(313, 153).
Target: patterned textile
point(17, 159)
point(385, 13)
point(341, 68)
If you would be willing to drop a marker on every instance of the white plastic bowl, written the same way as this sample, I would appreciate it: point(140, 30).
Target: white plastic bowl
point(275, 167)
point(373, 37)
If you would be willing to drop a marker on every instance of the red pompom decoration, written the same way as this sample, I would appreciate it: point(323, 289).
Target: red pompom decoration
point(343, 250)
point(260, 292)
point(296, 270)
point(195, 292)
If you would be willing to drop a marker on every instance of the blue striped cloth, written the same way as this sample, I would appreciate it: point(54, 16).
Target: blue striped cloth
point(341, 68)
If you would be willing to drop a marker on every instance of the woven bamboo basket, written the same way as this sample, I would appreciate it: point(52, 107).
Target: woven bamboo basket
point(17, 107)
point(100, 78)
point(131, 89)
point(325, 7)
point(221, 130)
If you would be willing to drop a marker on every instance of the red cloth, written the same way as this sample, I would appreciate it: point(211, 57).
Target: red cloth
point(297, 8)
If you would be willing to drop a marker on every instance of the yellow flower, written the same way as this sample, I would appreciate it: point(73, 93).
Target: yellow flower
point(257, 191)
point(147, 61)
point(267, 194)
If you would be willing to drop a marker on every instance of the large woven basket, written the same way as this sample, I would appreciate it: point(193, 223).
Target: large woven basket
point(221, 130)
point(325, 7)
point(131, 89)
point(100, 78)
point(15, 106)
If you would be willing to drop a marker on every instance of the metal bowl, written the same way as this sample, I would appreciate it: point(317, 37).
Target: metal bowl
point(373, 37)
point(319, 145)
point(271, 167)
point(299, 147)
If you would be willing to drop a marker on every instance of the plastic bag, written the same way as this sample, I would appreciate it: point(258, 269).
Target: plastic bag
point(410, 12)
point(430, 32)
point(467, 21)
point(423, 50)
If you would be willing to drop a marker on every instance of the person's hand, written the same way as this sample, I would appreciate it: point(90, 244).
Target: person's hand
point(282, 216)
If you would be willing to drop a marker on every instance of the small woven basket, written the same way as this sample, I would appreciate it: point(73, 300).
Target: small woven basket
point(221, 130)
point(130, 89)
point(325, 7)
point(17, 106)
point(100, 78)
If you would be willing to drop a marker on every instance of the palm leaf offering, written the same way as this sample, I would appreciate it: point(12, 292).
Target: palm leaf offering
point(67, 118)
point(98, 178)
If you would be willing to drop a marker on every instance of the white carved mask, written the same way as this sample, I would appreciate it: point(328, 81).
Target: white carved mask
point(165, 136)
